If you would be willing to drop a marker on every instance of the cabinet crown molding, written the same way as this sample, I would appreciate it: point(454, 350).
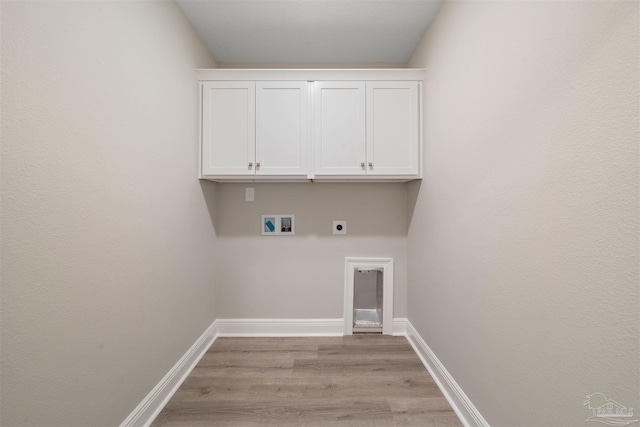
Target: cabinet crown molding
point(392, 74)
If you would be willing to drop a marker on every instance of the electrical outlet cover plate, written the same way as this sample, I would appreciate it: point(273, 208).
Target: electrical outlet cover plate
point(339, 227)
point(249, 194)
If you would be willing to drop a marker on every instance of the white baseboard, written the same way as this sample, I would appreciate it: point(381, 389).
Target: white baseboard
point(279, 327)
point(461, 404)
point(290, 327)
point(400, 326)
point(152, 404)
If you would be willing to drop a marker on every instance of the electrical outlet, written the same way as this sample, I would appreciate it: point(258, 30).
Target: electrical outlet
point(249, 194)
point(339, 227)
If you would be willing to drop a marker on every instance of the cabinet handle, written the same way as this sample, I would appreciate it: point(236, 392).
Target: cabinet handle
point(250, 165)
point(362, 165)
point(370, 165)
point(258, 165)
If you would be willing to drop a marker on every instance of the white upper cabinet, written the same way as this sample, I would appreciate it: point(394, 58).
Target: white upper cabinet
point(393, 128)
point(387, 110)
point(339, 128)
point(228, 128)
point(299, 125)
point(282, 128)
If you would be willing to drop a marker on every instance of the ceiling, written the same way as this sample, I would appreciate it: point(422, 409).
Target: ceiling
point(310, 31)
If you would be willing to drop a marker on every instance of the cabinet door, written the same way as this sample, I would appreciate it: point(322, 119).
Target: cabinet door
point(282, 128)
point(228, 128)
point(339, 128)
point(393, 138)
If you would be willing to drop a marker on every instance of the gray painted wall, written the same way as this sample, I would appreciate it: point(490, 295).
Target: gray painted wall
point(107, 241)
point(302, 276)
point(523, 245)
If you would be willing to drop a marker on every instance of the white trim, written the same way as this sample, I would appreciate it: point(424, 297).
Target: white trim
point(421, 128)
point(310, 154)
point(461, 404)
point(397, 74)
point(386, 264)
point(279, 327)
point(305, 179)
point(152, 404)
point(400, 326)
point(200, 121)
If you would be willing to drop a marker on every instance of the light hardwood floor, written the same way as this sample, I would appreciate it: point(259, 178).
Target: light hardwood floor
point(359, 380)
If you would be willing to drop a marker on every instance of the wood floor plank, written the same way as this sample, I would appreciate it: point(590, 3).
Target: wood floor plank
point(360, 380)
point(279, 411)
point(256, 372)
point(423, 411)
point(356, 366)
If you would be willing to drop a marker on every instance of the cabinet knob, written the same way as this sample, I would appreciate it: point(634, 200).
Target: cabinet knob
point(370, 165)
point(362, 165)
point(250, 165)
point(258, 165)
